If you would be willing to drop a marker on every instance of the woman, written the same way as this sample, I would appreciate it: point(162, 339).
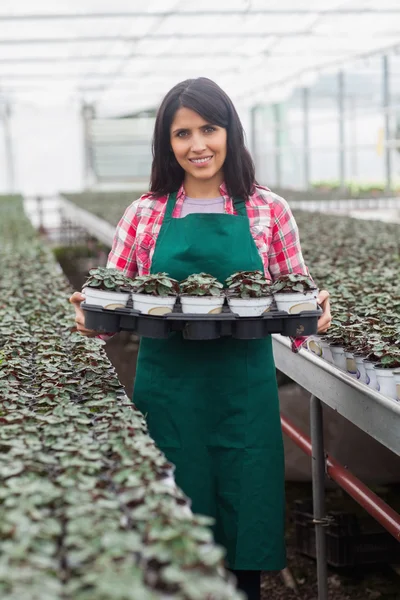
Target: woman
point(212, 407)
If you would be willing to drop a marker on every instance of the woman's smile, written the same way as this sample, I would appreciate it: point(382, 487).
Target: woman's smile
point(201, 162)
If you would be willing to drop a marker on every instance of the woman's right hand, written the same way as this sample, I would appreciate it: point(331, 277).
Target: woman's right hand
point(76, 300)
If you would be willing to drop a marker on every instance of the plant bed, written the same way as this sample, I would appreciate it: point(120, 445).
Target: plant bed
point(201, 327)
point(88, 508)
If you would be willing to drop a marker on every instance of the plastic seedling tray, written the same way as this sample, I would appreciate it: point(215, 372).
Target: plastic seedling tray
point(200, 327)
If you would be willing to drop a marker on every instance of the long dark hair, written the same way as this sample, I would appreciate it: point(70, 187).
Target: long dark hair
point(207, 99)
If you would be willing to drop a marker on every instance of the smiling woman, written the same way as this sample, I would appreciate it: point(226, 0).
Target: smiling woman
point(212, 407)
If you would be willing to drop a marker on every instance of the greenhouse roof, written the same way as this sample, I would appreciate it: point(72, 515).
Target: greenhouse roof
point(125, 55)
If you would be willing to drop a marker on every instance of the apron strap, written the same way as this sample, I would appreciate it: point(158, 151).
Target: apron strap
point(170, 206)
point(239, 204)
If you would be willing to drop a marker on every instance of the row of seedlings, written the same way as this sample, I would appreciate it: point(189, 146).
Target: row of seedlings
point(88, 504)
point(359, 263)
point(109, 206)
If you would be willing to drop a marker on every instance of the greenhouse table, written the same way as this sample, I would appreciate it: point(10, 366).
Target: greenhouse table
point(96, 226)
point(366, 408)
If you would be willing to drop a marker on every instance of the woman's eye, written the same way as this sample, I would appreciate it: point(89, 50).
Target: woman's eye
point(209, 129)
point(181, 134)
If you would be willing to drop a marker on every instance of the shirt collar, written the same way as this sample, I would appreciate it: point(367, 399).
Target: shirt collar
point(222, 189)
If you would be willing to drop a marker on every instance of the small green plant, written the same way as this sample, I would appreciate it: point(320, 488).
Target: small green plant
point(201, 284)
point(387, 356)
point(294, 282)
point(157, 284)
point(248, 284)
point(108, 280)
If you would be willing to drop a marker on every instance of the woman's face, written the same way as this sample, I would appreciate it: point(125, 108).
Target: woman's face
point(198, 146)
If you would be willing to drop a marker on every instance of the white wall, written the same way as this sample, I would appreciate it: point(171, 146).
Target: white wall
point(47, 149)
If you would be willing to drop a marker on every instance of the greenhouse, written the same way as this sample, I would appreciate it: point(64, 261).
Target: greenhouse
point(200, 315)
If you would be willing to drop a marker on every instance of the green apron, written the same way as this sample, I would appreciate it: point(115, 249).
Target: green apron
point(212, 406)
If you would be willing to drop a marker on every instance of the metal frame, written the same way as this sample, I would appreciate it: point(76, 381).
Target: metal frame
point(341, 124)
point(8, 146)
point(94, 225)
point(322, 465)
point(386, 105)
point(198, 13)
point(306, 136)
point(366, 408)
point(177, 36)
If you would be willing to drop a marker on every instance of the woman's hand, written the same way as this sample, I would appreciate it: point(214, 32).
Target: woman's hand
point(76, 300)
point(324, 322)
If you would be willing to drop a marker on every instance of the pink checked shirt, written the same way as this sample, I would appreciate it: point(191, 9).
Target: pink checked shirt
point(272, 226)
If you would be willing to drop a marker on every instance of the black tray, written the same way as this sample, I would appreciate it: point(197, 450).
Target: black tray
point(200, 327)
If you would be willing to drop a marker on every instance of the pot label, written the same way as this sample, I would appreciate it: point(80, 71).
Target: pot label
point(298, 308)
point(315, 348)
point(351, 366)
point(114, 306)
point(160, 310)
point(216, 311)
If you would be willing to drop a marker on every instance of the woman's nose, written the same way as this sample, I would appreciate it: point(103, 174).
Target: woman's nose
point(198, 143)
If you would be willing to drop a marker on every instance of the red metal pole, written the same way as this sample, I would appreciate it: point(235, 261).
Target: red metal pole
point(376, 507)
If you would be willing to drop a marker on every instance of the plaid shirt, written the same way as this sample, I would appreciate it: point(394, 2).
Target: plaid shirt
point(272, 226)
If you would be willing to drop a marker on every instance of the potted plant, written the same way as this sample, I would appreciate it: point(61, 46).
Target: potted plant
point(108, 288)
point(396, 375)
point(201, 294)
point(388, 363)
point(155, 294)
point(295, 293)
point(249, 293)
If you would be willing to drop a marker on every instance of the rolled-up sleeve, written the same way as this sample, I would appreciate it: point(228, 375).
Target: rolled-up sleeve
point(285, 254)
point(123, 252)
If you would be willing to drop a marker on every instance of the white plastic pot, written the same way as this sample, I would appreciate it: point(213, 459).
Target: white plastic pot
point(396, 376)
point(339, 357)
point(250, 307)
point(371, 375)
point(314, 345)
point(296, 303)
point(202, 305)
point(361, 373)
point(386, 382)
point(153, 305)
point(109, 300)
point(351, 366)
point(326, 352)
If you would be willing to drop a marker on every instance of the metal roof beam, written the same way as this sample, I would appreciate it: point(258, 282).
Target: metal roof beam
point(76, 76)
point(97, 57)
point(187, 36)
point(195, 13)
point(163, 56)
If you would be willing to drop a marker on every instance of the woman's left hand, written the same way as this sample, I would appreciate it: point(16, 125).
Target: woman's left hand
point(324, 322)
